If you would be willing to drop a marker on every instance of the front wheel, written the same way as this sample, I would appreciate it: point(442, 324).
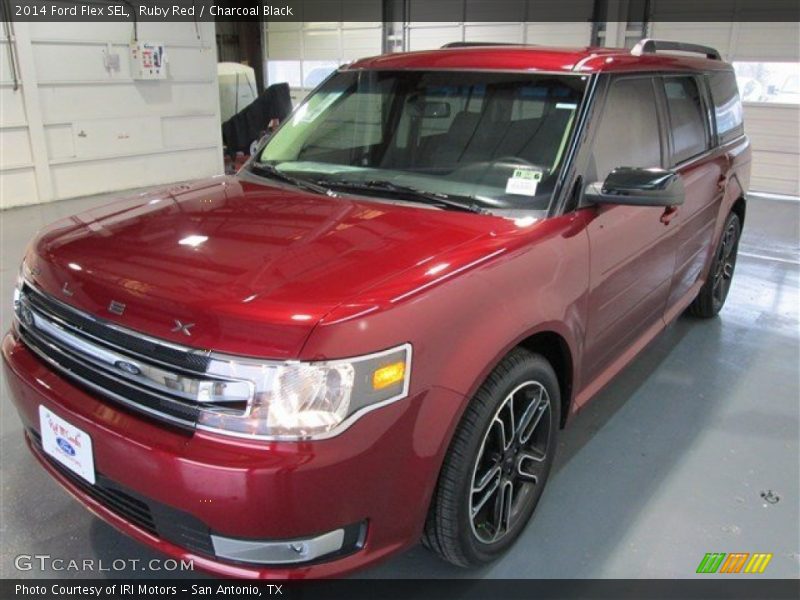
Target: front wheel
point(712, 295)
point(498, 462)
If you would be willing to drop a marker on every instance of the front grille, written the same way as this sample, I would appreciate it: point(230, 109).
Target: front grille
point(157, 519)
point(98, 380)
point(113, 336)
point(166, 381)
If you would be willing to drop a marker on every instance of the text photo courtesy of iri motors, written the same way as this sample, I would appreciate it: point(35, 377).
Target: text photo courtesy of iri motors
point(409, 299)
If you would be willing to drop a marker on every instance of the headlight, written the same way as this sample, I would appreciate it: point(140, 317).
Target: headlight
point(21, 274)
point(302, 400)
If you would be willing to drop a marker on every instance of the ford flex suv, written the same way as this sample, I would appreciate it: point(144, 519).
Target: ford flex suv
point(373, 333)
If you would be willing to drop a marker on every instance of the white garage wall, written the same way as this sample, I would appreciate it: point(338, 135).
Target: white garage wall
point(17, 174)
point(76, 128)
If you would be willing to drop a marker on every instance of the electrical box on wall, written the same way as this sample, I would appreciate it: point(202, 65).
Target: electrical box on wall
point(148, 60)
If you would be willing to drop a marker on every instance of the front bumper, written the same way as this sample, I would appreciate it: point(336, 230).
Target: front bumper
point(374, 480)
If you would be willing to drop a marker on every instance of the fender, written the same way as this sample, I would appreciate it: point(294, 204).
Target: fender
point(738, 180)
point(471, 318)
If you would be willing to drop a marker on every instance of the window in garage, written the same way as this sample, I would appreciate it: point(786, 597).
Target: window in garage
point(775, 82)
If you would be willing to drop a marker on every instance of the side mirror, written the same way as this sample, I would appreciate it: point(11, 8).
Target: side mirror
point(638, 187)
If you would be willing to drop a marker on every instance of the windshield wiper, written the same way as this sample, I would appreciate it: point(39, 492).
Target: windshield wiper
point(465, 203)
point(271, 171)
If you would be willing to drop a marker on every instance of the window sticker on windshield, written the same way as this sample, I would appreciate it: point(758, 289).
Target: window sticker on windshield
point(524, 182)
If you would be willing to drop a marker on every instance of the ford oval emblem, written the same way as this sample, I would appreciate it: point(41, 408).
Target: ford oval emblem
point(129, 368)
point(65, 446)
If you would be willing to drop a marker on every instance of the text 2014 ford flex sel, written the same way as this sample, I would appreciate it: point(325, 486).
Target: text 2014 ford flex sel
point(374, 332)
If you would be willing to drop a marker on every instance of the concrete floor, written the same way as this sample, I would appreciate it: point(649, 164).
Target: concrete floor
point(668, 463)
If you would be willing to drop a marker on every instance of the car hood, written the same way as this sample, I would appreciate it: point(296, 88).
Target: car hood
point(253, 267)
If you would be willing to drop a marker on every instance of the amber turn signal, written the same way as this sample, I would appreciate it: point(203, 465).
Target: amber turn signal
point(388, 375)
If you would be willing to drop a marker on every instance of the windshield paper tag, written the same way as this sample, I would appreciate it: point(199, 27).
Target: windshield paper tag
point(523, 182)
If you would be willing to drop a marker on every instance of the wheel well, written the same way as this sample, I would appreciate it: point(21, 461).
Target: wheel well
point(739, 208)
point(555, 349)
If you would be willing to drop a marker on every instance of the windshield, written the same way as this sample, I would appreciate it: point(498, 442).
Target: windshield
point(494, 139)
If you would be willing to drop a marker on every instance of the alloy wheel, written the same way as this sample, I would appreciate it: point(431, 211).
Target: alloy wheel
point(511, 462)
point(725, 263)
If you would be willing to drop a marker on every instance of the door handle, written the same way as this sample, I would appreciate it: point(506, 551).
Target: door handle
point(668, 214)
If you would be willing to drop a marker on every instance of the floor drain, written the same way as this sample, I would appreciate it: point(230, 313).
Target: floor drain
point(770, 496)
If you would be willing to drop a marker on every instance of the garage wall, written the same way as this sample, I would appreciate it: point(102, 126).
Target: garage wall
point(773, 128)
point(17, 174)
point(76, 127)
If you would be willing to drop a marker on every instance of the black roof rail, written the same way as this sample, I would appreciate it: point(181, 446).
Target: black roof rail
point(649, 46)
point(476, 44)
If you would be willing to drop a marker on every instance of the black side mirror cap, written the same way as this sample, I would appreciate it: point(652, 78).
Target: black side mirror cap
point(638, 187)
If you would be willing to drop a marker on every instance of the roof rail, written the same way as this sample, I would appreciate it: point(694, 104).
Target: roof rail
point(476, 44)
point(648, 46)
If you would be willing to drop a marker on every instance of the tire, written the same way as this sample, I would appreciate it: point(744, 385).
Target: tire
point(714, 292)
point(525, 385)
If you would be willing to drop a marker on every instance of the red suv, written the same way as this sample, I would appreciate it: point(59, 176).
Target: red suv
point(374, 332)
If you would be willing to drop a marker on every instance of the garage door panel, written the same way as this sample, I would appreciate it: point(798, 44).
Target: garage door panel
point(320, 44)
point(95, 177)
point(558, 34)
point(774, 186)
point(13, 108)
point(18, 188)
point(361, 42)
point(15, 148)
point(429, 38)
point(775, 172)
point(64, 103)
point(493, 32)
point(783, 143)
point(774, 132)
point(767, 41)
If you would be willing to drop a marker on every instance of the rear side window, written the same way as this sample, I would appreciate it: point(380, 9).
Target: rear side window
point(628, 134)
point(688, 123)
point(727, 106)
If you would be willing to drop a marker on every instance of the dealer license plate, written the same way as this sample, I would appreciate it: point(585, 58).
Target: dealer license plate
point(67, 444)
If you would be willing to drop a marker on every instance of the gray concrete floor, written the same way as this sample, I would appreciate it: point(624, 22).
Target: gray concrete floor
point(669, 462)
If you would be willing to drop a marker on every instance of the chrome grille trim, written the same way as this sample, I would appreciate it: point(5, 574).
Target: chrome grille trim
point(25, 336)
point(159, 380)
point(49, 306)
point(174, 393)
